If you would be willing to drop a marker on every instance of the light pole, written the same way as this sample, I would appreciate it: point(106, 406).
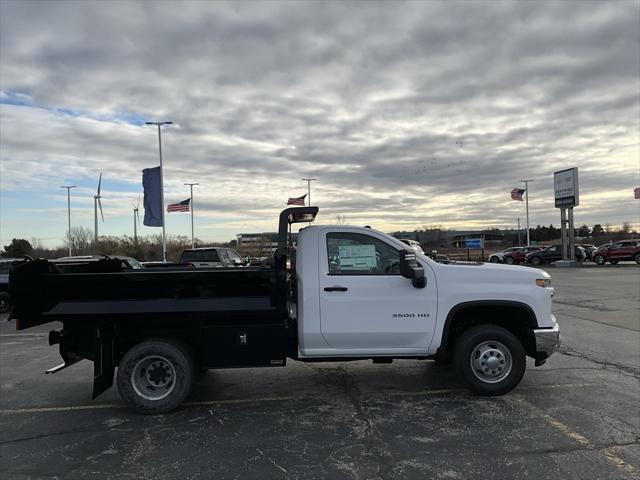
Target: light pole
point(69, 187)
point(308, 180)
point(191, 204)
point(526, 196)
point(164, 236)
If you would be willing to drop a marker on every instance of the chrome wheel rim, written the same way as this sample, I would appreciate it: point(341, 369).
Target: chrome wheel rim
point(491, 361)
point(153, 377)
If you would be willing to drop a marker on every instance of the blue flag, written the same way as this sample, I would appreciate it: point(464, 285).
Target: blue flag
point(152, 197)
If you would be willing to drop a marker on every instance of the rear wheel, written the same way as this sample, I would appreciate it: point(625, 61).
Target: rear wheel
point(489, 359)
point(508, 260)
point(155, 376)
point(599, 259)
point(636, 258)
point(536, 261)
point(5, 302)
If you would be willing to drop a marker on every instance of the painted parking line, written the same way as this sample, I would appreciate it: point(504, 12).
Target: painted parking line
point(108, 406)
point(11, 335)
point(608, 453)
point(239, 401)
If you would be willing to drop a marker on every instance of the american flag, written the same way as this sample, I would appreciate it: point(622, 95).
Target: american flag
point(636, 192)
point(296, 200)
point(182, 206)
point(516, 193)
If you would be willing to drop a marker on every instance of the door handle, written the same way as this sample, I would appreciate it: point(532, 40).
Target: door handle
point(335, 289)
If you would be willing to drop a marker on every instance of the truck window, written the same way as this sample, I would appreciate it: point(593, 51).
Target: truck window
point(200, 256)
point(234, 256)
point(360, 254)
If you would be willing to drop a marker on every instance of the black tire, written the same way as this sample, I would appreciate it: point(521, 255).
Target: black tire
point(536, 261)
point(155, 376)
point(495, 345)
point(614, 262)
point(636, 258)
point(599, 259)
point(508, 260)
point(5, 302)
point(494, 259)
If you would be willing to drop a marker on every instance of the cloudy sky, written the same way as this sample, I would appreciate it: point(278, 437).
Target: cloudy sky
point(407, 113)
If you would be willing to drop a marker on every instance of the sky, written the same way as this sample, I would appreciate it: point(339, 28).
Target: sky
point(408, 114)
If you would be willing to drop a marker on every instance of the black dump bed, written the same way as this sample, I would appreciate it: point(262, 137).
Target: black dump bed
point(42, 294)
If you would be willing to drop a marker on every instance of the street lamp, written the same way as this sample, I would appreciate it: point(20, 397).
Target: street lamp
point(69, 187)
point(191, 203)
point(164, 236)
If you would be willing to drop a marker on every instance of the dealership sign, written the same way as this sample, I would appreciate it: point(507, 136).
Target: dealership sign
point(565, 184)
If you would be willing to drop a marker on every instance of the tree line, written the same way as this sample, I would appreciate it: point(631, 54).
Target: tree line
point(144, 249)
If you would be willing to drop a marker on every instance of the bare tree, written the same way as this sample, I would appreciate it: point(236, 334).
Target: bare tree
point(340, 219)
point(80, 240)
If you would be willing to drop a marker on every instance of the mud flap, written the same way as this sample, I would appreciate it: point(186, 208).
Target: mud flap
point(103, 368)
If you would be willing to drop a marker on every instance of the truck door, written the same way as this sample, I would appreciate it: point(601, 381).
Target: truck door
point(365, 304)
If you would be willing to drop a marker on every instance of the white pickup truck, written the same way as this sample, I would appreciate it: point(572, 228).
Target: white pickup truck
point(344, 293)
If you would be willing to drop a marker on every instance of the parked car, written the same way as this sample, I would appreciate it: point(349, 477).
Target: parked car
point(552, 253)
point(589, 249)
point(86, 263)
point(497, 257)
point(519, 255)
point(615, 252)
point(6, 264)
point(212, 257)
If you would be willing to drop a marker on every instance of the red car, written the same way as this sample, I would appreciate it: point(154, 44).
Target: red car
point(615, 252)
point(518, 255)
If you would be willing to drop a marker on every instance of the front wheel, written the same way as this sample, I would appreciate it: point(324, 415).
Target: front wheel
point(508, 260)
point(494, 259)
point(489, 359)
point(536, 261)
point(636, 258)
point(599, 259)
point(155, 376)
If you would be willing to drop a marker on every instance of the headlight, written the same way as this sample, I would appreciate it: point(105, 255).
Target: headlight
point(543, 282)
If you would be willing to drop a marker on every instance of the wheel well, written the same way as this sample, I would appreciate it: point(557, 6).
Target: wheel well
point(184, 338)
point(517, 319)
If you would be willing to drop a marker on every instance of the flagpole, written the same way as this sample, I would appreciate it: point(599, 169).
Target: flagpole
point(526, 196)
point(308, 180)
point(191, 204)
point(164, 234)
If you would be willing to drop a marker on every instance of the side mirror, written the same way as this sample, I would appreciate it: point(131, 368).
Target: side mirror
point(410, 268)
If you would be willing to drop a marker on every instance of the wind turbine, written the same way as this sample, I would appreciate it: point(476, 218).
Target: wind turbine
point(136, 221)
point(96, 204)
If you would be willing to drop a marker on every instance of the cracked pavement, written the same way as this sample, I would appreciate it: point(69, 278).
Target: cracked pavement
point(576, 417)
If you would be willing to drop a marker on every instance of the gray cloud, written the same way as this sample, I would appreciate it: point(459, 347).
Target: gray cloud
point(403, 111)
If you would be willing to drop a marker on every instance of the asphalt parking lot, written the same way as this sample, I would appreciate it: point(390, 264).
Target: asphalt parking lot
point(576, 417)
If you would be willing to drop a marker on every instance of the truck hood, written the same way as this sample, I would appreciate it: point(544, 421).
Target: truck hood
point(491, 271)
